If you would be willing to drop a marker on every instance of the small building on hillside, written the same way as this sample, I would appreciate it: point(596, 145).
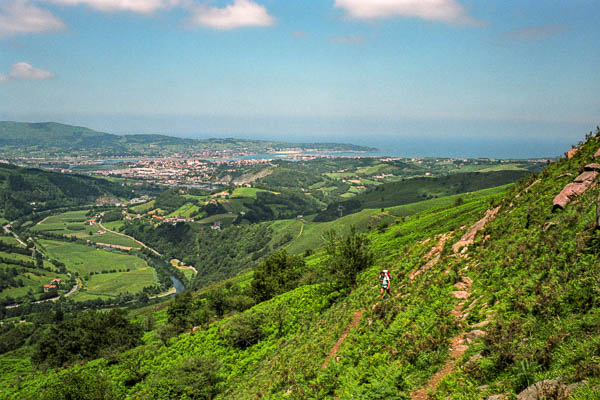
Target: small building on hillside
point(49, 287)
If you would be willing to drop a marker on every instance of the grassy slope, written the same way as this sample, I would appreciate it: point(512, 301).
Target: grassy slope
point(309, 235)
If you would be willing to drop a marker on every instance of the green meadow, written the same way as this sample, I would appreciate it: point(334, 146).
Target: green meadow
point(85, 259)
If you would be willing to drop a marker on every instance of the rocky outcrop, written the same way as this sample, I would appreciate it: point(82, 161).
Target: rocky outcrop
point(572, 152)
point(553, 389)
point(576, 188)
point(597, 153)
point(469, 237)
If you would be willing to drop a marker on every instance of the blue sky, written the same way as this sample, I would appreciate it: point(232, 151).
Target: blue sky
point(305, 69)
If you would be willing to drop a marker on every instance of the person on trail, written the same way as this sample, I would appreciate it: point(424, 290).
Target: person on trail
point(385, 284)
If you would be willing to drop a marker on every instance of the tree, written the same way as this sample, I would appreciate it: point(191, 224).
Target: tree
point(346, 257)
point(278, 274)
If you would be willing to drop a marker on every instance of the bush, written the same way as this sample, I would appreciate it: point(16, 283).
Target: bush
point(88, 335)
point(279, 273)
point(243, 330)
point(195, 379)
point(80, 385)
point(346, 257)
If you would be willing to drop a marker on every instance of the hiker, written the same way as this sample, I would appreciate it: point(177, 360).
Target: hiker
point(384, 278)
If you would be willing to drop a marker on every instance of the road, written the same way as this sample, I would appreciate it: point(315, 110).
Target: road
point(8, 231)
point(132, 238)
point(70, 292)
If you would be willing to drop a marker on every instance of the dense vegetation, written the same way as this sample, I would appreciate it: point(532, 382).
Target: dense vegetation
point(23, 190)
point(416, 189)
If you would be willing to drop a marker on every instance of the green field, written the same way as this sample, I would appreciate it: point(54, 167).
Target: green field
point(85, 259)
point(119, 282)
point(142, 208)
point(186, 210)
point(224, 218)
point(74, 223)
point(246, 192)
point(9, 240)
point(111, 238)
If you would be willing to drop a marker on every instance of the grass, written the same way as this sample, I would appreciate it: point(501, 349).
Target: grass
point(74, 224)
point(224, 218)
point(312, 236)
point(85, 259)
point(246, 192)
point(121, 282)
point(111, 238)
point(9, 240)
point(186, 210)
point(143, 208)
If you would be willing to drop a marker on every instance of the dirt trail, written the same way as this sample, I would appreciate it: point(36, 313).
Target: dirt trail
point(459, 343)
point(357, 315)
point(457, 349)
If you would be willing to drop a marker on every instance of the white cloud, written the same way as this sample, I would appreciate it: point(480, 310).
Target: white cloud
point(446, 11)
point(136, 6)
point(20, 16)
point(241, 13)
point(23, 71)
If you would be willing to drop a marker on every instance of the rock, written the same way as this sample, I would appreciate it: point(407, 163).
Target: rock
point(548, 389)
point(565, 175)
point(475, 358)
point(481, 324)
point(571, 153)
point(597, 153)
point(461, 294)
point(592, 167)
point(460, 285)
point(572, 190)
point(497, 397)
point(474, 334)
point(532, 185)
point(587, 177)
point(469, 237)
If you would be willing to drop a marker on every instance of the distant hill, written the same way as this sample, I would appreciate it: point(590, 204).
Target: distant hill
point(51, 138)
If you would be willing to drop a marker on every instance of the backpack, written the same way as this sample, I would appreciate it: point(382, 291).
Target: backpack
point(387, 273)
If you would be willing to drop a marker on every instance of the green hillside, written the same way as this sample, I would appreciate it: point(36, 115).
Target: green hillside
point(417, 189)
point(489, 295)
point(23, 190)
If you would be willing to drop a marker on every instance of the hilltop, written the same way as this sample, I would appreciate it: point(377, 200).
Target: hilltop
point(493, 296)
point(55, 139)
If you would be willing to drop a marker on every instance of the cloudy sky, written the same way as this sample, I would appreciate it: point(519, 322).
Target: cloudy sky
point(304, 68)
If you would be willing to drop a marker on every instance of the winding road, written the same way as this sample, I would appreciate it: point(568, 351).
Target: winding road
point(130, 237)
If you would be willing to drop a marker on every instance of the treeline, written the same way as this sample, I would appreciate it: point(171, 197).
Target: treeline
point(27, 189)
point(418, 189)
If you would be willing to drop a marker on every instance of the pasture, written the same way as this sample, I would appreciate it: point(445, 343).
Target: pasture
point(85, 259)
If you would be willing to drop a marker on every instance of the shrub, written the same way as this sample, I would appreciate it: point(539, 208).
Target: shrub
point(243, 330)
point(195, 379)
point(346, 257)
